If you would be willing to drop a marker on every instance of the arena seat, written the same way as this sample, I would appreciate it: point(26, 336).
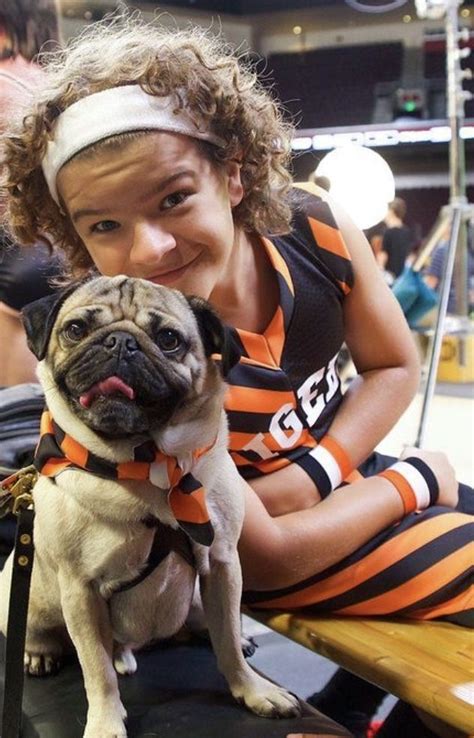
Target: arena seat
point(334, 86)
point(430, 665)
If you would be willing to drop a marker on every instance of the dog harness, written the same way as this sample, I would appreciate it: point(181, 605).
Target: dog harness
point(57, 451)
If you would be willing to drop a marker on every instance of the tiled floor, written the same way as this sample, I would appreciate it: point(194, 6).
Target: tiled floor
point(451, 429)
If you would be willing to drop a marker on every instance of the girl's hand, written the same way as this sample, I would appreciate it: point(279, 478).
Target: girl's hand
point(443, 471)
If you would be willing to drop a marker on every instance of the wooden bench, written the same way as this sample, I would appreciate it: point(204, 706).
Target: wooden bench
point(427, 664)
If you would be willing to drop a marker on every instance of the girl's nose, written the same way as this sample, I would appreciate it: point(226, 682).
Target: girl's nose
point(150, 243)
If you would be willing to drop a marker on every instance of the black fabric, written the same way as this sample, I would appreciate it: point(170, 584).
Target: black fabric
point(7, 534)
point(403, 720)
point(466, 499)
point(177, 692)
point(25, 273)
point(20, 414)
point(189, 484)
point(351, 698)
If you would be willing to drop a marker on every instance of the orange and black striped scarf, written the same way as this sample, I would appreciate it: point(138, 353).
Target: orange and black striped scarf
point(57, 451)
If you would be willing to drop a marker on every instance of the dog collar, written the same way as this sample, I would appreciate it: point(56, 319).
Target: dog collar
point(57, 451)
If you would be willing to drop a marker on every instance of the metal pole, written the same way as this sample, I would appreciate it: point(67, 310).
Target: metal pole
point(455, 104)
point(438, 331)
point(457, 252)
point(457, 161)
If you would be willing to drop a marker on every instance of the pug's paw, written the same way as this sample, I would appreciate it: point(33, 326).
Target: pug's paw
point(102, 731)
point(124, 660)
point(267, 699)
point(107, 723)
point(41, 664)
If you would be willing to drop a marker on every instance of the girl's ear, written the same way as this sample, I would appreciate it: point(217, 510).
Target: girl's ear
point(234, 182)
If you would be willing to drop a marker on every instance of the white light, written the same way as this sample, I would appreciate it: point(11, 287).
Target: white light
point(297, 30)
point(300, 143)
point(383, 137)
point(361, 181)
point(323, 141)
point(433, 9)
point(440, 134)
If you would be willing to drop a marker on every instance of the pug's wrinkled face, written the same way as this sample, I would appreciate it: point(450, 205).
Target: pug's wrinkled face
point(124, 353)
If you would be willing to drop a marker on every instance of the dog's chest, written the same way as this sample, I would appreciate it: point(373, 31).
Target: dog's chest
point(114, 557)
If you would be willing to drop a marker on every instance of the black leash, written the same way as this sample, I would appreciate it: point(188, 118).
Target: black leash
point(17, 612)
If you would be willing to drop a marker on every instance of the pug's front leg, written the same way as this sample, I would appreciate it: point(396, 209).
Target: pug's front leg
point(221, 592)
point(87, 620)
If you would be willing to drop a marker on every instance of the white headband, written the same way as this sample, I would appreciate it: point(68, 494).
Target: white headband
point(110, 112)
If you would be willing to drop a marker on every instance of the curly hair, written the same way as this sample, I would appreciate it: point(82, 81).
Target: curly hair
point(202, 72)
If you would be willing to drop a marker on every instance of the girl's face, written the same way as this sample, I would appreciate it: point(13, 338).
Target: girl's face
point(156, 209)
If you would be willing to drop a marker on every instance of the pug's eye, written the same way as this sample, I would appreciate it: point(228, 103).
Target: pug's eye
point(169, 340)
point(75, 330)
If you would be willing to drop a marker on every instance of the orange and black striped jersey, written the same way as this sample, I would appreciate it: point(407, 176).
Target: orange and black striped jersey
point(283, 396)
point(285, 391)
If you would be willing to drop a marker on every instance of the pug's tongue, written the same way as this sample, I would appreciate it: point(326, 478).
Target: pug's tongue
point(109, 386)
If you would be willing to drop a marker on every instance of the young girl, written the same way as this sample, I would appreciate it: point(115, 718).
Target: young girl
point(158, 155)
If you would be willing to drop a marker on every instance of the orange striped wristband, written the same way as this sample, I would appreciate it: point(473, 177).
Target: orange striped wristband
point(415, 483)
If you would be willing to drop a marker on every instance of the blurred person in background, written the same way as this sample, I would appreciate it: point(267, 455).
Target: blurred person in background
point(433, 273)
point(397, 241)
point(374, 236)
point(26, 26)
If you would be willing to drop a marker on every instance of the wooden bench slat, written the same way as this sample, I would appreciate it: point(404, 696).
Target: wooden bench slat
point(419, 662)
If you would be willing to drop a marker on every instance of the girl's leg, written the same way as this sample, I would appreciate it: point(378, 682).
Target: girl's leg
point(362, 584)
point(419, 568)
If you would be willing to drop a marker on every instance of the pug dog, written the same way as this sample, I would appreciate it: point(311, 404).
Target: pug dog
point(137, 492)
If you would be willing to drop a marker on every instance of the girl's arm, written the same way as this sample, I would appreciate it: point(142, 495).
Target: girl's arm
point(280, 551)
point(387, 363)
point(382, 349)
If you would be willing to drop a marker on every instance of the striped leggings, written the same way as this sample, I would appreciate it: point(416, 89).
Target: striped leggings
point(420, 568)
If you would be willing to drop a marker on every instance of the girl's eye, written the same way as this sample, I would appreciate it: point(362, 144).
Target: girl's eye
point(169, 340)
point(174, 199)
point(75, 330)
point(103, 226)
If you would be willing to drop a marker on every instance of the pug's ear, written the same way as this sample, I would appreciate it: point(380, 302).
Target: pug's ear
point(39, 318)
point(216, 337)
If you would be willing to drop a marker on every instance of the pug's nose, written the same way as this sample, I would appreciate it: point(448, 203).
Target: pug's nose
point(120, 342)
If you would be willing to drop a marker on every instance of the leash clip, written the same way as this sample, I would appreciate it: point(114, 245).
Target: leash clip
point(16, 491)
point(22, 502)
